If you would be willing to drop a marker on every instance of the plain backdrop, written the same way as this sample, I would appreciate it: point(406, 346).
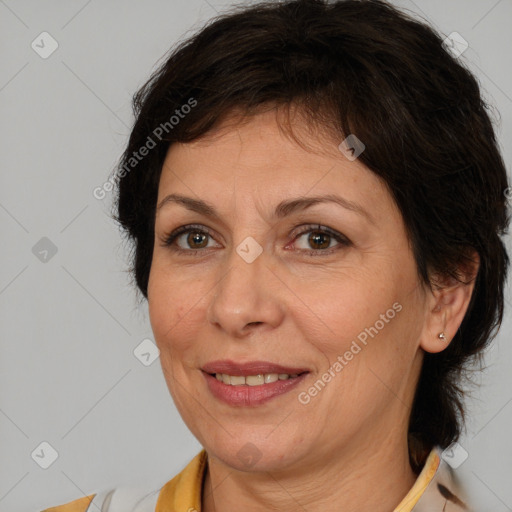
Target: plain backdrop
point(69, 317)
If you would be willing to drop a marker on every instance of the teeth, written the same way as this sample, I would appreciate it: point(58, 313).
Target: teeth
point(237, 380)
point(253, 380)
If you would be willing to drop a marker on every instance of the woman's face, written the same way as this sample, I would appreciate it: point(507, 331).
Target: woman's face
point(269, 277)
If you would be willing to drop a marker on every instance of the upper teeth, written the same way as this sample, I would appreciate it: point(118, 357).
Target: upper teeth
point(253, 380)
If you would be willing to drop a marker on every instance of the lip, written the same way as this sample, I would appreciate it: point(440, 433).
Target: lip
point(230, 367)
point(250, 396)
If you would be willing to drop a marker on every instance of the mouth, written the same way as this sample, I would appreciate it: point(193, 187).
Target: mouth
point(253, 380)
point(250, 368)
point(252, 383)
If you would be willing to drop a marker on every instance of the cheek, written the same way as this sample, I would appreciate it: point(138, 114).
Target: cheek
point(165, 308)
point(175, 312)
point(335, 309)
point(369, 316)
point(176, 307)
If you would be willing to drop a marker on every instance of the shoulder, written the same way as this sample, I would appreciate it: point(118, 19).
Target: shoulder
point(80, 505)
point(182, 492)
point(445, 488)
point(122, 499)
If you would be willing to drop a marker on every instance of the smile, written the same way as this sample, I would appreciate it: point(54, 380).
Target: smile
point(253, 380)
point(251, 390)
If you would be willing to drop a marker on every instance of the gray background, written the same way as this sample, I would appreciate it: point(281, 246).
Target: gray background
point(70, 324)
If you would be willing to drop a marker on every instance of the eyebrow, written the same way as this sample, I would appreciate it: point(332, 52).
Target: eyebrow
point(283, 209)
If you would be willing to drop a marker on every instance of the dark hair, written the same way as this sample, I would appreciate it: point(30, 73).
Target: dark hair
point(362, 68)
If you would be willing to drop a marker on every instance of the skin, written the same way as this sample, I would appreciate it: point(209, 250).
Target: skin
point(347, 448)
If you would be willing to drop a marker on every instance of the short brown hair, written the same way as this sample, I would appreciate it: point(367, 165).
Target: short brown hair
point(355, 67)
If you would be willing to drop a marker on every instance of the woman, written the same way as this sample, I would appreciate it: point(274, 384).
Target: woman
point(316, 199)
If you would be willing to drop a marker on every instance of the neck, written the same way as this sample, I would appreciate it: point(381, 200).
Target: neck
point(375, 476)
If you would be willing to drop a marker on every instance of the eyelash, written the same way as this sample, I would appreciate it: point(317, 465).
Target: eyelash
point(168, 240)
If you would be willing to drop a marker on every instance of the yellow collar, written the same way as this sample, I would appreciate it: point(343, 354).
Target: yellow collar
point(183, 492)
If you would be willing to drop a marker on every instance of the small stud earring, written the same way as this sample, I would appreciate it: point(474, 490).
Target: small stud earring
point(441, 336)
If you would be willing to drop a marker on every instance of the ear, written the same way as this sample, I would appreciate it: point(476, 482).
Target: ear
point(447, 303)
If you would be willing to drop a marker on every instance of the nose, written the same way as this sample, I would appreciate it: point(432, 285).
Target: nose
point(246, 297)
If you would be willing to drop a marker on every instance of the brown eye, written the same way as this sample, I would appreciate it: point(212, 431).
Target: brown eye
point(197, 237)
point(319, 240)
point(189, 239)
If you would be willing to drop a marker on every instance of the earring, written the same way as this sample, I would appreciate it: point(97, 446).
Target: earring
point(442, 336)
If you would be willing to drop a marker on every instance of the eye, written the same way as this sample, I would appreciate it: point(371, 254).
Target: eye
point(188, 239)
point(320, 239)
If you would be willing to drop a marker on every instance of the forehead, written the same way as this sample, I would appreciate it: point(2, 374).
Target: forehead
point(257, 159)
point(279, 129)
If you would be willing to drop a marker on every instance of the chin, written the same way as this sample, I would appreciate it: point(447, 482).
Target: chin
point(252, 454)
